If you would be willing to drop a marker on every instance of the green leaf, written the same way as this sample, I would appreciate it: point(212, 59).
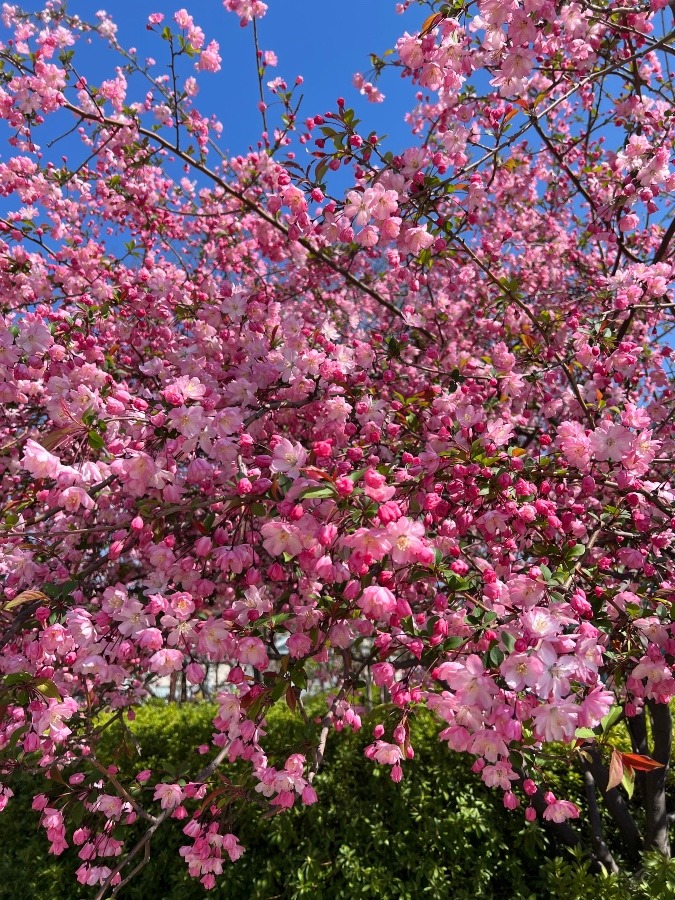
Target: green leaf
point(508, 641)
point(279, 689)
point(16, 678)
point(16, 737)
point(48, 689)
point(316, 493)
point(299, 678)
point(452, 643)
point(584, 733)
point(611, 718)
point(496, 656)
point(96, 442)
point(575, 552)
point(276, 619)
point(321, 169)
point(393, 348)
point(76, 813)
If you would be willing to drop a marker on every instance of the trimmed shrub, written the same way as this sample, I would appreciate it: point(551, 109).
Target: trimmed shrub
point(440, 833)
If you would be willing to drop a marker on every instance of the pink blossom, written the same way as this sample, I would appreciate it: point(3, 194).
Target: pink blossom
point(611, 442)
point(406, 544)
point(595, 706)
point(376, 486)
point(39, 462)
point(299, 645)
point(500, 775)
point(524, 591)
point(372, 542)
point(288, 458)
point(557, 671)
point(164, 662)
point(281, 538)
point(169, 795)
point(133, 618)
point(488, 744)
point(209, 58)
point(556, 721)
point(377, 602)
point(560, 811)
point(246, 9)
point(574, 443)
point(384, 753)
point(521, 670)
point(251, 651)
point(415, 239)
point(383, 674)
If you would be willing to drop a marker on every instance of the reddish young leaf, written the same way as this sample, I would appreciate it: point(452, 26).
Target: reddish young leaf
point(615, 770)
point(430, 23)
point(25, 597)
point(640, 763)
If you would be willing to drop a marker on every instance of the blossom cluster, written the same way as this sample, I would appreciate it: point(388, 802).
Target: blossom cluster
point(410, 441)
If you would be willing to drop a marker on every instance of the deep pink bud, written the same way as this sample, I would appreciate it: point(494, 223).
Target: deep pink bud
point(529, 787)
point(309, 795)
point(236, 676)
point(399, 733)
point(352, 590)
point(389, 512)
point(276, 572)
point(344, 486)
point(244, 486)
point(510, 800)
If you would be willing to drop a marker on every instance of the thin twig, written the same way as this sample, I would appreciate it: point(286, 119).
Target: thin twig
point(203, 776)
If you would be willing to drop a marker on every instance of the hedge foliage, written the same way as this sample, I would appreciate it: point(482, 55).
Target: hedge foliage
point(439, 834)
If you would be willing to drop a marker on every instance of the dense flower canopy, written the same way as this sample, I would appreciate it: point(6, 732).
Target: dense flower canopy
point(414, 437)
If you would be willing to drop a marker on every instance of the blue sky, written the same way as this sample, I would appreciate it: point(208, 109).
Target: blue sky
point(322, 41)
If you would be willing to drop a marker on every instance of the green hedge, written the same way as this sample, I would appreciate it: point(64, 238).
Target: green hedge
point(438, 834)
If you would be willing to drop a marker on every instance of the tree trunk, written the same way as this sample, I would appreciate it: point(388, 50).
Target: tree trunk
point(657, 836)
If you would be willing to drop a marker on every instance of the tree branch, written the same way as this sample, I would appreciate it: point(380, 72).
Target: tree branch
point(203, 776)
point(247, 203)
point(657, 836)
point(602, 851)
point(616, 805)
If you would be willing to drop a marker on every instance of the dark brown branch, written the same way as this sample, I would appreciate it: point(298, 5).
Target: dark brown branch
point(602, 851)
point(616, 806)
point(657, 836)
point(637, 728)
point(661, 251)
point(562, 832)
point(20, 619)
point(249, 205)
